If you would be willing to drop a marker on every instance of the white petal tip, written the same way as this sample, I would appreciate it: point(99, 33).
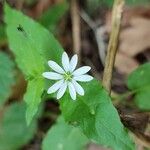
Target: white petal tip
point(83, 78)
point(92, 78)
point(43, 74)
point(76, 56)
point(73, 98)
point(64, 53)
point(49, 62)
point(58, 98)
point(73, 62)
point(49, 92)
point(65, 61)
point(82, 94)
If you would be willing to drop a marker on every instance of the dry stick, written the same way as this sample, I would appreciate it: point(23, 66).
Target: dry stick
point(75, 27)
point(113, 42)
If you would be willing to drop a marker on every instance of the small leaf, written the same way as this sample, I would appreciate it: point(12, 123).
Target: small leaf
point(139, 82)
point(7, 74)
point(65, 137)
point(14, 132)
point(97, 117)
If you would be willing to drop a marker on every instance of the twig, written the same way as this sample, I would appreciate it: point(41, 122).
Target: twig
point(88, 20)
point(100, 39)
point(75, 27)
point(113, 42)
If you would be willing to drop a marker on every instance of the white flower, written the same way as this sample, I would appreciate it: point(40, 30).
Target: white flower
point(67, 77)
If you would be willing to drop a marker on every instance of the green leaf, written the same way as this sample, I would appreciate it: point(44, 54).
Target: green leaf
point(92, 116)
point(14, 132)
point(139, 82)
point(34, 91)
point(39, 40)
point(97, 117)
point(51, 17)
point(65, 137)
point(7, 74)
point(22, 44)
point(32, 46)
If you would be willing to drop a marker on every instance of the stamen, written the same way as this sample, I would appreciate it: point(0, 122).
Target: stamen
point(68, 76)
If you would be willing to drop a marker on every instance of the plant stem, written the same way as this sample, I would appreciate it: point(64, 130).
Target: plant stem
point(113, 42)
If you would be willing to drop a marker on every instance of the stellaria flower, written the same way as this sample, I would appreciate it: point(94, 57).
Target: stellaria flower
point(67, 76)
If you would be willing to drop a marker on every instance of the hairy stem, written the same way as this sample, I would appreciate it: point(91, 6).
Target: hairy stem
point(113, 42)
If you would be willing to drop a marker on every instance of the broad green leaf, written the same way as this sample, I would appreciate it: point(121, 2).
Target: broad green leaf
point(14, 132)
point(139, 82)
point(7, 74)
point(51, 17)
point(32, 46)
point(39, 39)
point(65, 137)
point(97, 117)
point(22, 44)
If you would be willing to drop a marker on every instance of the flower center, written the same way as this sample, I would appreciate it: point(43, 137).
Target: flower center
point(68, 76)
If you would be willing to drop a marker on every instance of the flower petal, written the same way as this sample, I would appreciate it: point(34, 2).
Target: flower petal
point(81, 71)
point(83, 78)
point(78, 88)
point(55, 87)
point(52, 75)
point(55, 67)
point(65, 61)
point(73, 63)
point(72, 91)
point(62, 90)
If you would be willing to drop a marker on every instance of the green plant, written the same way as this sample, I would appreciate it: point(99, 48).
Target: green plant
point(87, 112)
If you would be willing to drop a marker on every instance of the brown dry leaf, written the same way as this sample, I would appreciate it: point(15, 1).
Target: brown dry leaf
point(136, 38)
point(125, 64)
